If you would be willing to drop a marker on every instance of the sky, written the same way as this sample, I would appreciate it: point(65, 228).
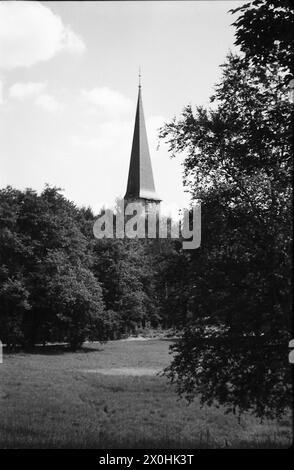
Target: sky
point(69, 84)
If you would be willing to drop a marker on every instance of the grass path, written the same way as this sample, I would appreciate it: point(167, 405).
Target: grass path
point(107, 396)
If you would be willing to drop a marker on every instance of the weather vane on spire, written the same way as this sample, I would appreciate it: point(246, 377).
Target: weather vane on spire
point(139, 76)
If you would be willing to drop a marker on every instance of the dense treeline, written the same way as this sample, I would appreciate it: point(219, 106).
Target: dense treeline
point(59, 283)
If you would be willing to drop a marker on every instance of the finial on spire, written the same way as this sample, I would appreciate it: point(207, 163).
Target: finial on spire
point(139, 77)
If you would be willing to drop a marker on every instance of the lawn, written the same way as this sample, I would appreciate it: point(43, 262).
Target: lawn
point(98, 398)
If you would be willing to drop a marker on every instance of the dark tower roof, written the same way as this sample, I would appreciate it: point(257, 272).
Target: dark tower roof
point(140, 180)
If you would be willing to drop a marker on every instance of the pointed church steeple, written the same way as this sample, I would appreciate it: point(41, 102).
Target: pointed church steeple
point(140, 181)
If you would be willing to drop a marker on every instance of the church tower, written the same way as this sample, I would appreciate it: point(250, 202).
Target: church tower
point(141, 186)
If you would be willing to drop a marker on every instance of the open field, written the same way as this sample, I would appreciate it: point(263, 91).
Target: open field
point(108, 396)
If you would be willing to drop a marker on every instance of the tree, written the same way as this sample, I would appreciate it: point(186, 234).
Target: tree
point(74, 299)
point(238, 164)
point(126, 272)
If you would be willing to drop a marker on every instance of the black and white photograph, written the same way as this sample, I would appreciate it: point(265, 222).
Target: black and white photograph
point(146, 207)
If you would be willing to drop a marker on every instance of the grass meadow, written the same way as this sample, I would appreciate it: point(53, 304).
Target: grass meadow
point(109, 396)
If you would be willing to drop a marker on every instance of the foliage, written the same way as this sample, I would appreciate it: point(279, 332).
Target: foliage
point(127, 269)
point(238, 164)
point(58, 283)
point(47, 291)
point(264, 32)
point(75, 300)
point(14, 304)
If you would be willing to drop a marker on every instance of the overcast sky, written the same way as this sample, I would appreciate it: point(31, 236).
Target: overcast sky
point(69, 83)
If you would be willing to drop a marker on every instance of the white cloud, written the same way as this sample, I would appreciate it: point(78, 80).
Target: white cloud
point(22, 91)
point(49, 103)
point(108, 103)
point(30, 32)
point(108, 136)
point(35, 91)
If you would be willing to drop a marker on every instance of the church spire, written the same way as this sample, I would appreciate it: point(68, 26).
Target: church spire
point(140, 180)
